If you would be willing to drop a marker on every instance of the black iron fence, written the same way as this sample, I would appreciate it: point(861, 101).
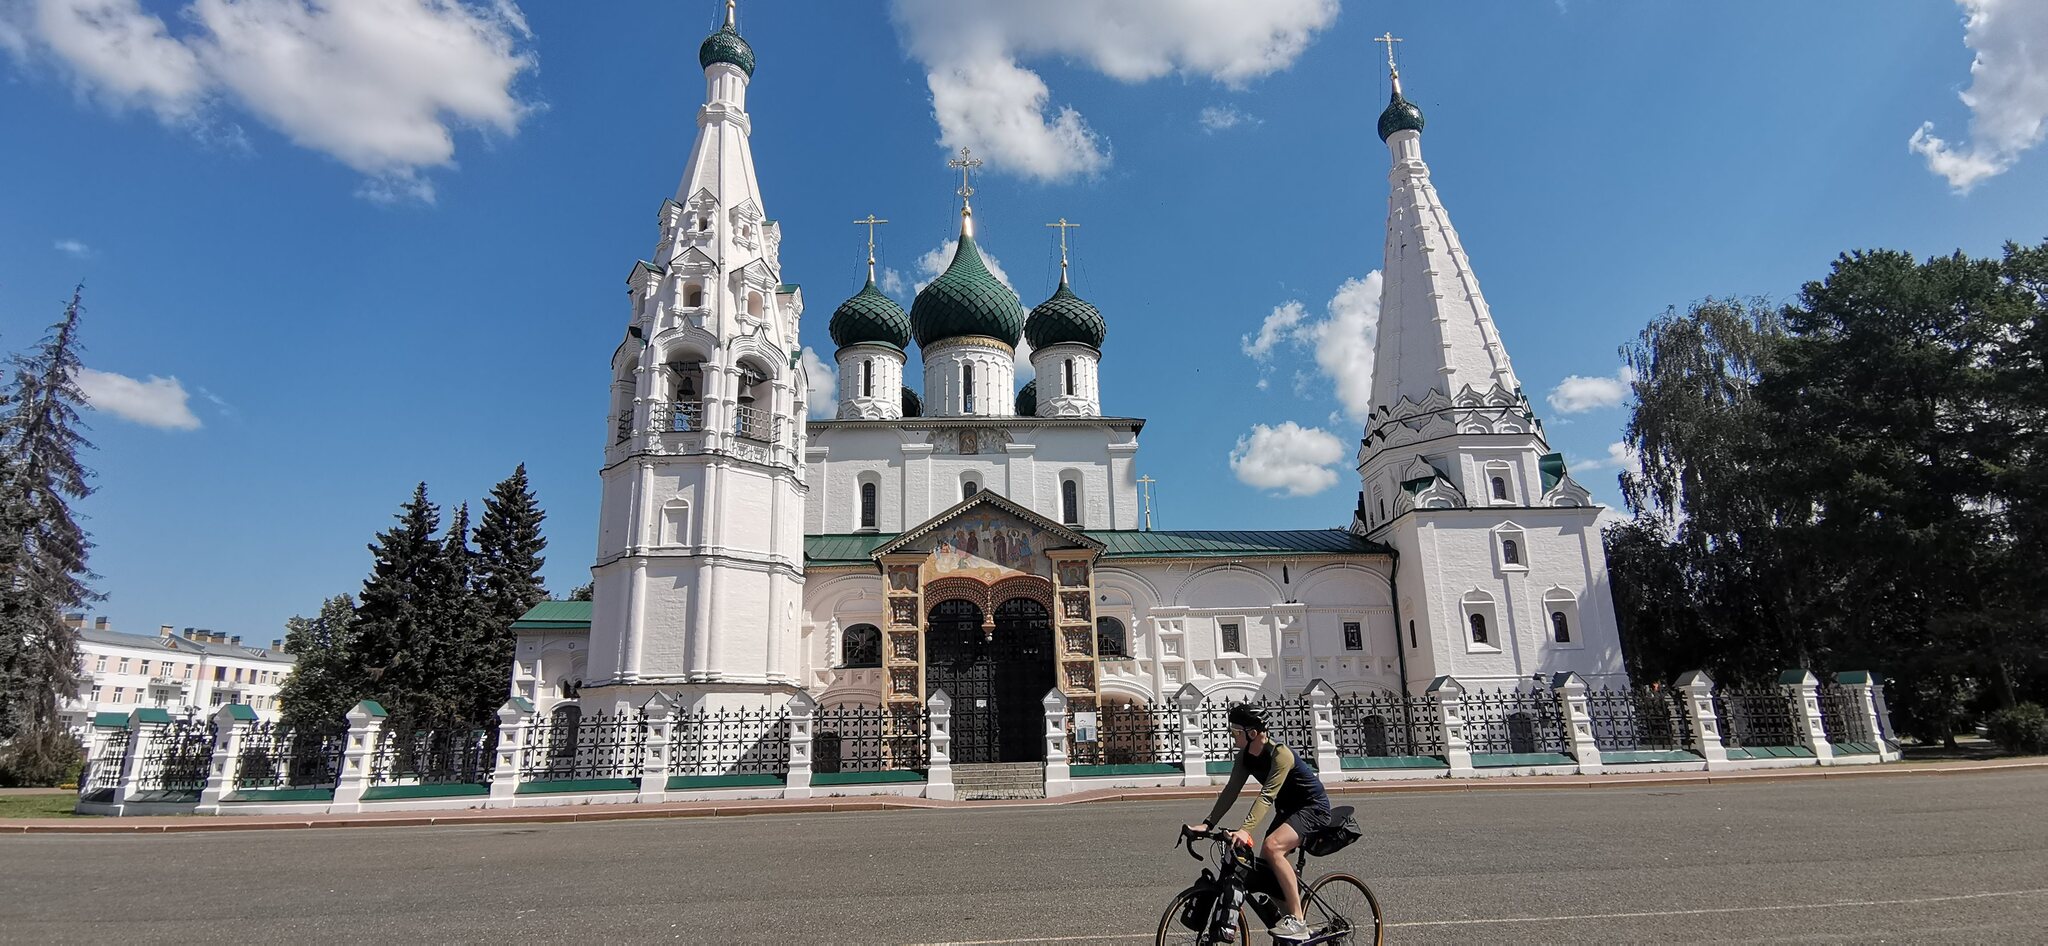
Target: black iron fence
point(730, 742)
point(1843, 715)
point(1755, 717)
point(608, 744)
point(274, 755)
point(1290, 722)
point(849, 737)
point(1641, 719)
point(103, 771)
point(175, 759)
point(1514, 722)
point(434, 757)
point(1383, 724)
point(1130, 734)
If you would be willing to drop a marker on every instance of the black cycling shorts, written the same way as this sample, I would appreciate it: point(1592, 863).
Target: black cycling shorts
point(1304, 821)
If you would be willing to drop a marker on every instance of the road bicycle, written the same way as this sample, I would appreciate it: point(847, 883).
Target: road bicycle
point(1340, 909)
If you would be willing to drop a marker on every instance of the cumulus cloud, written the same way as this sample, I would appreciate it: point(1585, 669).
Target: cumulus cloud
point(822, 399)
point(73, 248)
point(984, 98)
point(1217, 118)
point(1289, 457)
point(153, 402)
point(1341, 342)
point(892, 282)
point(380, 85)
point(1619, 457)
point(1577, 394)
point(2007, 97)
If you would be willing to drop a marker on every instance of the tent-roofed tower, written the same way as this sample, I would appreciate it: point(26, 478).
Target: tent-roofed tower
point(1509, 575)
point(698, 575)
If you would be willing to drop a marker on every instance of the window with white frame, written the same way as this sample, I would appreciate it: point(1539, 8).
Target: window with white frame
point(1067, 372)
point(1110, 639)
point(867, 377)
point(1354, 635)
point(869, 501)
point(861, 647)
point(1561, 610)
point(1231, 633)
point(1482, 622)
point(1511, 547)
point(1500, 480)
point(967, 388)
point(1070, 502)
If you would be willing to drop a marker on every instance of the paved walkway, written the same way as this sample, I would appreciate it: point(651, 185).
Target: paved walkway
point(707, 809)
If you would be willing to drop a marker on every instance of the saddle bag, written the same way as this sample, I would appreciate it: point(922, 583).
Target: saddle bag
point(1342, 831)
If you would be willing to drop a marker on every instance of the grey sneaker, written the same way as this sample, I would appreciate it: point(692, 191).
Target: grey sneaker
point(1290, 927)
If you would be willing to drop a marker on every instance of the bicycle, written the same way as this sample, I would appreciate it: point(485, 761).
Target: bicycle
point(1339, 908)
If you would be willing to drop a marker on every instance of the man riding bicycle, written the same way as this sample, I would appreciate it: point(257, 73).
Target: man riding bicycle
point(1290, 789)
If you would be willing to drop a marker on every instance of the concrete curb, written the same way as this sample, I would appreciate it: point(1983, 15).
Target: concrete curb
point(183, 824)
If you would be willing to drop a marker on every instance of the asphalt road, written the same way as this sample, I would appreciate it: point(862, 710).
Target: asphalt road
point(1894, 859)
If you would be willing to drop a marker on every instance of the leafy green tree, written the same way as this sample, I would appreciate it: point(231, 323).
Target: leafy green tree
point(584, 592)
point(43, 553)
point(320, 691)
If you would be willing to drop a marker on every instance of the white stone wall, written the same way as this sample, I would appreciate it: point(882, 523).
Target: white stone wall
point(885, 398)
point(919, 471)
point(1049, 364)
point(995, 378)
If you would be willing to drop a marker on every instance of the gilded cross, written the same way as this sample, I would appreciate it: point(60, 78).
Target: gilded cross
point(1063, 226)
point(1390, 39)
point(870, 223)
point(966, 162)
point(1145, 483)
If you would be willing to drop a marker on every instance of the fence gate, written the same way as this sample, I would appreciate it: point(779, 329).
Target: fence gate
point(995, 678)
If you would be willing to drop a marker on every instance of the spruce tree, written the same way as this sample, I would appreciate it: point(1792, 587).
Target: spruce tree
point(42, 553)
point(463, 666)
point(320, 691)
point(507, 580)
point(392, 632)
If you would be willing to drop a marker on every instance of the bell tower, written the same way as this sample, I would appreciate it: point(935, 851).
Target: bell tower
point(699, 572)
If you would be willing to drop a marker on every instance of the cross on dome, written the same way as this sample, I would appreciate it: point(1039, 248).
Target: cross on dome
point(870, 223)
point(1063, 226)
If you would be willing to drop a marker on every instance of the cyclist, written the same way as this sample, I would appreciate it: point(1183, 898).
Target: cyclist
point(1287, 787)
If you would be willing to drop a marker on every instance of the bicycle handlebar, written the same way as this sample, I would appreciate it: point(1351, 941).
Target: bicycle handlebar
point(1188, 838)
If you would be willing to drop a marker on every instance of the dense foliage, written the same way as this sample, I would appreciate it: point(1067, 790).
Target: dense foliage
point(1851, 481)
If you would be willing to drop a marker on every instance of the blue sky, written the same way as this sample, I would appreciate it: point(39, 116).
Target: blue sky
point(322, 278)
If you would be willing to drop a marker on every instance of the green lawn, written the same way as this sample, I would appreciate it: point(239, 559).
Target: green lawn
point(52, 805)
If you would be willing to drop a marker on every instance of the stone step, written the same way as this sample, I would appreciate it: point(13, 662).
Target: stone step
point(999, 780)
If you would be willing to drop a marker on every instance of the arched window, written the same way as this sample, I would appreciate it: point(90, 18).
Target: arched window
point(1510, 553)
point(1560, 627)
point(1479, 629)
point(1500, 488)
point(1067, 371)
point(968, 489)
point(967, 388)
point(862, 646)
point(1070, 502)
point(1109, 638)
point(867, 377)
point(868, 515)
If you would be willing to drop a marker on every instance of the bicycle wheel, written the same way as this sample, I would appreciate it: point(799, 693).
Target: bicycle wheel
point(1342, 902)
point(1172, 933)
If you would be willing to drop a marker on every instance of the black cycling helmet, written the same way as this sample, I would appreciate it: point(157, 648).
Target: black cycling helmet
point(1247, 716)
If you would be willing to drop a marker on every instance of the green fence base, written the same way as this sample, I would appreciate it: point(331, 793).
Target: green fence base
point(1393, 762)
point(280, 795)
point(580, 785)
point(1122, 769)
point(1500, 760)
point(1621, 757)
point(1771, 752)
point(453, 790)
point(677, 783)
point(886, 776)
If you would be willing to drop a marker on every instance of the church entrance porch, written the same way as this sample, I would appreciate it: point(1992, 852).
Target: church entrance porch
point(996, 673)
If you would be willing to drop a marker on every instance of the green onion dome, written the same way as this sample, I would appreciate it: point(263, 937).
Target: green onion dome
point(1065, 318)
point(1401, 115)
point(1027, 399)
point(870, 317)
point(727, 46)
point(913, 406)
point(966, 299)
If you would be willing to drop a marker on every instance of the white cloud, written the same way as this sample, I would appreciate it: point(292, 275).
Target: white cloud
point(985, 99)
point(1025, 371)
point(2007, 97)
point(1342, 342)
point(1289, 457)
point(1577, 394)
point(822, 397)
point(1619, 457)
point(892, 283)
point(74, 248)
point(380, 85)
point(932, 263)
point(1217, 118)
point(155, 402)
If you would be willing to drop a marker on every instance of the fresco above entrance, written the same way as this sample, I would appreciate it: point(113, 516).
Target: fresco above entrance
point(988, 547)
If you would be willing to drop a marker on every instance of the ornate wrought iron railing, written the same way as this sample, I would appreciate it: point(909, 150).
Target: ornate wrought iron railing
point(753, 423)
point(103, 771)
point(1290, 722)
point(1642, 719)
point(602, 745)
point(625, 426)
point(730, 742)
point(1842, 715)
point(434, 757)
point(1516, 722)
point(276, 756)
point(1128, 735)
point(176, 760)
point(1753, 717)
point(676, 416)
point(1381, 724)
point(849, 737)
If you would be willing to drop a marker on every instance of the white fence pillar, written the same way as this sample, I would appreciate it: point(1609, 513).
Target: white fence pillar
point(1578, 721)
point(1449, 695)
point(1058, 780)
point(938, 779)
point(1802, 691)
point(660, 714)
point(143, 737)
point(803, 712)
point(1194, 749)
point(365, 727)
point(1322, 701)
point(515, 726)
point(231, 728)
point(1706, 727)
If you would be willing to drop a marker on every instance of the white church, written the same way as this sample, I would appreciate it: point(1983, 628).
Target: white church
point(986, 541)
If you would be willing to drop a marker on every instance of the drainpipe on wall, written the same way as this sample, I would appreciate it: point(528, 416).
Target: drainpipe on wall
point(1400, 648)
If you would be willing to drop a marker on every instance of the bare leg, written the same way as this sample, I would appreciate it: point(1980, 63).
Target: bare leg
point(1280, 842)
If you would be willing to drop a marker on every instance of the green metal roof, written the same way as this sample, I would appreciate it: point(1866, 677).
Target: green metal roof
point(870, 317)
point(825, 550)
point(727, 46)
point(1065, 318)
point(110, 720)
point(549, 615)
point(1027, 399)
point(913, 406)
point(1552, 467)
point(1401, 115)
point(966, 299)
point(1233, 544)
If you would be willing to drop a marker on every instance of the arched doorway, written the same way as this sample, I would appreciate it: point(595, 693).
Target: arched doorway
point(995, 677)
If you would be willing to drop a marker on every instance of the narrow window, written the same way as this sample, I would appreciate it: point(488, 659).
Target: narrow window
point(867, 377)
point(1411, 635)
point(1070, 502)
point(867, 506)
point(1233, 639)
point(1500, 488)
point(1069, 372)
point(967, 387)
point(1354, 637)
point(968, 489)
point(1109, 638)
point(1479, 629)
point(1509, 553)
point(1560, 628)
